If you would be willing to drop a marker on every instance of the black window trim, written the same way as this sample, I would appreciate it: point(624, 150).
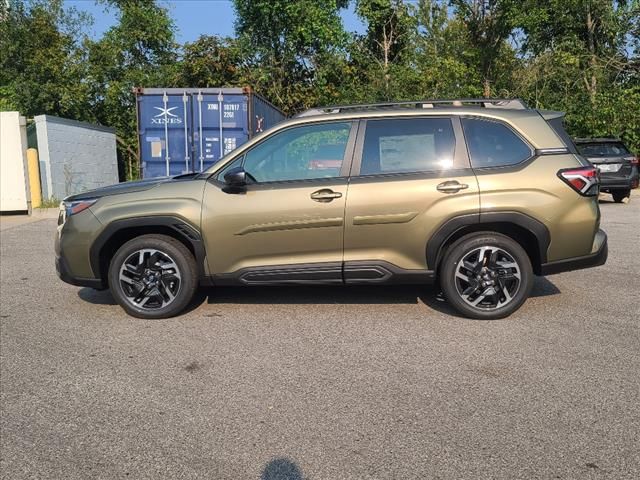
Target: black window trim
point(557, 125)
point(344, 170)
point(461, 160)
point(533, 153)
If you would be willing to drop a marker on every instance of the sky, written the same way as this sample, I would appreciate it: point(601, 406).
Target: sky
point(192, 17)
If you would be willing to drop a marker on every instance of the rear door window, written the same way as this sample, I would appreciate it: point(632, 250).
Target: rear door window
point(407, 145)
point(493, 144)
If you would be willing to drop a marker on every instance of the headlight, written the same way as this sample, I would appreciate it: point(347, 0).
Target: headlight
point(71, 208)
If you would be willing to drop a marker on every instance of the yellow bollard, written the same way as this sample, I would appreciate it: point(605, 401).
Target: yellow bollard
point(34, 177)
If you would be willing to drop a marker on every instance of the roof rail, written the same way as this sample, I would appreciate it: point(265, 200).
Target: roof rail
point(511, 103)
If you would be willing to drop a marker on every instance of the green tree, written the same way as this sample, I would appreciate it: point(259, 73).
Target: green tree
point(386, 50)
point(594, 33)
point(139, 51)
point(42, 65)
point(283, 43)
point(210, 61)
point(580, 58)
point(444, 57)
point(489, 24)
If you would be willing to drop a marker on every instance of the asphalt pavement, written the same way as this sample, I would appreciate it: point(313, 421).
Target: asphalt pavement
point(321, 383)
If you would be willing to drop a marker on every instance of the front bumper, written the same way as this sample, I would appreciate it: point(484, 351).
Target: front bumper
point(72, 243)
point(598, 257)
point(65, 275)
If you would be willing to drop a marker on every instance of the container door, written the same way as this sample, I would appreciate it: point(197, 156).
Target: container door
point(221, 126)
point(264, 115)
point(165, 136)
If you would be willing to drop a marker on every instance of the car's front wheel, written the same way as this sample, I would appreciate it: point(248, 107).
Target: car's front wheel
point(153, 276)
point(486, 276)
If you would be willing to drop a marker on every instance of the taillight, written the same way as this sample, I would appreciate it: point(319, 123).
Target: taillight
point(584, 180)
point(635, 161)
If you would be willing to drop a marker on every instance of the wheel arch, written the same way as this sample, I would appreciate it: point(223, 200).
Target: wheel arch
point(532, 235)
point(119, 232)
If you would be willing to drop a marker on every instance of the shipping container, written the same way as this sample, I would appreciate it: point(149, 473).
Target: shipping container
point(183, 130)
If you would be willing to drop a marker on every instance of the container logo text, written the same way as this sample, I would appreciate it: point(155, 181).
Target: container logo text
point(165, 116)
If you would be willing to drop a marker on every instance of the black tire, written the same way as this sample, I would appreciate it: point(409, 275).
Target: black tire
point(620, 195)
point(501, 278)
point(177, 283)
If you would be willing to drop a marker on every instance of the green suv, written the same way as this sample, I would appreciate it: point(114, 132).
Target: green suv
point(477, 195)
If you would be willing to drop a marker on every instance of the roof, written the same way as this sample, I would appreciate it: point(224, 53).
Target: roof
point(527, 122)
point(597, 140)
point(180, 91)
point(419, 106)
point(73, 123)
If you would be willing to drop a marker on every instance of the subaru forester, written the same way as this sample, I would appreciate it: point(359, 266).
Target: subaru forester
point(477, 195)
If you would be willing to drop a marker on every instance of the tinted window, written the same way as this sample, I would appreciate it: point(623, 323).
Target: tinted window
point(492, 144)
point(602, 149)
point(407, 145)
point(300, 153)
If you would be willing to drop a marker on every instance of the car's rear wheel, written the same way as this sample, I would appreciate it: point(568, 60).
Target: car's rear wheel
point(153, 276)
point(486, 276)
point(620, 195)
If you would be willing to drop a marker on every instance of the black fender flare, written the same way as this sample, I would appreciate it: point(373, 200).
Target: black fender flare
point(183, 229)
point(453, 225)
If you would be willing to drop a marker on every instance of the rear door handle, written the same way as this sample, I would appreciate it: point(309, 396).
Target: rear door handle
point(451, 186)
point(325, 195)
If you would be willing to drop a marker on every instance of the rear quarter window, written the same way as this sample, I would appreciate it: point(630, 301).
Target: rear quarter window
point(493, 144)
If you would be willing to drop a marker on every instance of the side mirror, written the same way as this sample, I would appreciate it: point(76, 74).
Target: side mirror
point(236, 177)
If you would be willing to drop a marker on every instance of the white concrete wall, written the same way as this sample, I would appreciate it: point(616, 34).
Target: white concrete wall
point(14, 179)
point(74, 156)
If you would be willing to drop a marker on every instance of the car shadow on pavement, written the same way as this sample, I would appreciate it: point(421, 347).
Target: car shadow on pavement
point(97, 297)
point(281, 469)
point(320, 295)
point(542, 287)
point(104, 297)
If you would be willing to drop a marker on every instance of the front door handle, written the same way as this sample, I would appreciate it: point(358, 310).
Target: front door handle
point(325, 195)
point(451, 186)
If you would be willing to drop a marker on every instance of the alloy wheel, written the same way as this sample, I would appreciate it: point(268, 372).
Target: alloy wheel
point(150, 279)
point(487, 278)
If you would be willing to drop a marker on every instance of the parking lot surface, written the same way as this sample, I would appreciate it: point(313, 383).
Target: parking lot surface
point(321, 383)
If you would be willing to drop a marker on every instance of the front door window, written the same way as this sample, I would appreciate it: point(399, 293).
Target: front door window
point(300, 153)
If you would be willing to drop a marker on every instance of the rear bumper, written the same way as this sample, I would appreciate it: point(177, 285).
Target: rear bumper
point(616, 184)
point(65, 275)
point(613, 182)
point(599, 257)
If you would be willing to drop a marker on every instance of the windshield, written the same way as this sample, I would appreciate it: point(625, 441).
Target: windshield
point(602, 149)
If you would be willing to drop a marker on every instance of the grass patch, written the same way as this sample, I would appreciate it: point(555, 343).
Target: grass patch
point(50, 203)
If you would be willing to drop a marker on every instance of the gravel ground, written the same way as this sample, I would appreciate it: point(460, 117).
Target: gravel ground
point(321, 383)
